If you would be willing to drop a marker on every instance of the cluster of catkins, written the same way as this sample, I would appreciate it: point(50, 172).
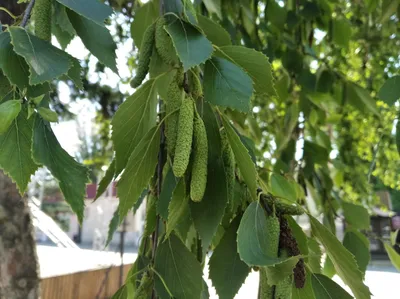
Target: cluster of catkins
point(281, 244)
point(185, 131)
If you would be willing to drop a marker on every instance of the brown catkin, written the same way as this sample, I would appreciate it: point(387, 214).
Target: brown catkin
point(184, 138)
point(146, 50)
point(164, 45)
point(200, 152)
point(289, 243)
point(42, 15)
point(175, 96)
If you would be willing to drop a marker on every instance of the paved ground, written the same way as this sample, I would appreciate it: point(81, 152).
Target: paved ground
point(381, 277)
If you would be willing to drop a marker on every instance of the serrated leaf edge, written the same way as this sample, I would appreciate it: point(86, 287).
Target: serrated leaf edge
point(173, 43)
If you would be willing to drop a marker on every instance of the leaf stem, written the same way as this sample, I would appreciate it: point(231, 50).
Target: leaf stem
point(8, 12)
point(27, 13)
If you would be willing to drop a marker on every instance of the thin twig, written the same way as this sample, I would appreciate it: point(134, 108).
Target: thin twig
point(27, 13)
point(160, 166)
point(8, 12)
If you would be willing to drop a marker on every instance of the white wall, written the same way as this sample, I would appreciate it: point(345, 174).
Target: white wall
point(96, 220)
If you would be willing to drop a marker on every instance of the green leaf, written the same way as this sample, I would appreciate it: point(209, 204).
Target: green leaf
point(390, 91)
point(394, 256)
point(168, 187)
point(226, 271)
point(208, 213)
point(106, 180)
point(394, 236)
point(133, 120)
point(96, 38)
point(328, 269)
point(112, 227)
point(315, 153)
point(341, 32)
point(91, 9)
point(361, 99)
point(325, 101)
point(254, 63)
point(8, 112)
point(357, 216)
point(299, 235)
point(179, 269)
point(252, 238)
point(191, 45)
point(45, 61)
point(48, 114)
point(5, 86)
point(74, 73)
point(279, 272)
point(214, 31)
point(344, 262)
point(398, 136)
point(139, 202)
point(14, 66)
point(139, 170)
point(121, 293)
point(15, 151)
point(242, 158)
point(326, 288)
point(61, 19)
point(306, 292)
point(151, 215)
point(205, 294)
point(144, 17)
point(64, 38)
point(358, 245)
point(227, 85)
point(314, 256)
point(283, 188)
point(389, 8)
point(213, 6)
point(178, 207)
point(71, 175)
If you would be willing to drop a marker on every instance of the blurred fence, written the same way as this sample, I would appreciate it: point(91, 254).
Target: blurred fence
point(95, 284)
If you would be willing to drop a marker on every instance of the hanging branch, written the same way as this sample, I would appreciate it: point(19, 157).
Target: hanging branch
point(27, 13)
point(160, 166)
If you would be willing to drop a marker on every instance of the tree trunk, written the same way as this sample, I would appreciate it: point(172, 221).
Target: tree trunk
point(19, 278)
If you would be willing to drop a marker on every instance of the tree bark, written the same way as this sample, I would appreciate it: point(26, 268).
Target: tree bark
point(19, 278)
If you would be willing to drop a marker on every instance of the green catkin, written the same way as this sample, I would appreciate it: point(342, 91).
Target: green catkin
point(42, 15)
point(175, 96)
point(199, 169)
point(164, 45)
point(265, 291)
point(145, 289)
point(196, 88)
point(281, 207)
point(184, 138)
point(229, 164)
point(273, 231)
point(283, 290)
point(146, 50)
